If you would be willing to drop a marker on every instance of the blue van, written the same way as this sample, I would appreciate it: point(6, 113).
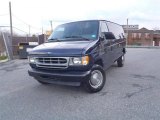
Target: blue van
point(79, 53)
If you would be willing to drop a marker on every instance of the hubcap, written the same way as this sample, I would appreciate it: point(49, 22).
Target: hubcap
point(96, 79)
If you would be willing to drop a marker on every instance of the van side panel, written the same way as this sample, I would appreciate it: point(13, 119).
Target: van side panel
point(106, 50)
point(118, 43)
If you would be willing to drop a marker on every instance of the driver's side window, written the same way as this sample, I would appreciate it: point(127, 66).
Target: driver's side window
point(104, 27)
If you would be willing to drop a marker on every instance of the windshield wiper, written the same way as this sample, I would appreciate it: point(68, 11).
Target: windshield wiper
point(78, 37)
point(53, 40)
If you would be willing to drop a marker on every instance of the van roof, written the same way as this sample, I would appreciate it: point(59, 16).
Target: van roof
point(94, 20)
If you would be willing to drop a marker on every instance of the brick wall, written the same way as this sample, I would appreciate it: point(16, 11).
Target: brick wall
point(142, 37)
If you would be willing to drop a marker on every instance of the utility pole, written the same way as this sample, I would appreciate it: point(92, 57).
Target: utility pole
point(42, 29)
point(11, 30)
point(29, 29)
point(51, 25)
point(127, 33)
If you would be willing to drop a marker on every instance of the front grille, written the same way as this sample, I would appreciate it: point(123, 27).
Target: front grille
point(52, 62)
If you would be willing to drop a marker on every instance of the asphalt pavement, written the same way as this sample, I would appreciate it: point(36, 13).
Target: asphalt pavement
point(130, 93)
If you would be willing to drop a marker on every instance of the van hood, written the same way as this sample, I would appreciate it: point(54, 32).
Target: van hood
point(68, 48)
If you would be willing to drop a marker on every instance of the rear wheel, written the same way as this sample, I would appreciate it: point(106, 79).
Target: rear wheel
point(120, 61)
point(97, 79)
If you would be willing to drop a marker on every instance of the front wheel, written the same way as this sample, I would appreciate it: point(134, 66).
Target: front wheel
point(97, 79)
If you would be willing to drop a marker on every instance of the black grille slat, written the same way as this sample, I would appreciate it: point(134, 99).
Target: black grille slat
point(52, 62)
point(53, 66)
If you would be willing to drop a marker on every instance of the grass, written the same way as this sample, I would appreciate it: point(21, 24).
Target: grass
point(3, 57)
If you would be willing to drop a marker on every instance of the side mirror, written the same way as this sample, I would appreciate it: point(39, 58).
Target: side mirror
point(109, 35)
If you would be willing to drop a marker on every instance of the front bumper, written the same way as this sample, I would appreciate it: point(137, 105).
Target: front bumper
point(73, 78)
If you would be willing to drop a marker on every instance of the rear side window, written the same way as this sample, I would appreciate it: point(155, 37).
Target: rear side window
point(117, 30)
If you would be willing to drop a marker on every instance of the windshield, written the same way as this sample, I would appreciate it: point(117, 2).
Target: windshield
point(83, 30)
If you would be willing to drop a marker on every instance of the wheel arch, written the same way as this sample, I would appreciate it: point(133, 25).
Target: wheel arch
point(99, 62)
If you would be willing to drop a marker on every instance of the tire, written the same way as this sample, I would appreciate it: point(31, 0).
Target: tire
point(120, 61)
point(94, 84)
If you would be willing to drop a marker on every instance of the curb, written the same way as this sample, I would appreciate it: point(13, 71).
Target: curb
point(150, 47)
point(3, 61)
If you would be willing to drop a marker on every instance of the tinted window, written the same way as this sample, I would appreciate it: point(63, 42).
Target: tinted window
point(85, 29)
point(117, 30)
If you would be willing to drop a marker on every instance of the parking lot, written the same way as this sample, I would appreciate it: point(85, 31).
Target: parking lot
point(130, 93)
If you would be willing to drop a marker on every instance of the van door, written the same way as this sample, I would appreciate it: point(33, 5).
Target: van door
point(106, 47)
point(117, 42)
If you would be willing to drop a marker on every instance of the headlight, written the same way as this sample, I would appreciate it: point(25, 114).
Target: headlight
point(31, 59)
point(79, 60)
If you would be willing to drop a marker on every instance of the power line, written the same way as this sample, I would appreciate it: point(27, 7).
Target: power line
point(61, 20)
point(15, 28)
point(25, 22)
point(29, 26)
point(4, 26)
point(20, 30)
point(19, 19)
point(4, 15)
point(22, 21)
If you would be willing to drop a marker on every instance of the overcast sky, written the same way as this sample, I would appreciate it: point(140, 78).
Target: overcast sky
point(38, 13)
